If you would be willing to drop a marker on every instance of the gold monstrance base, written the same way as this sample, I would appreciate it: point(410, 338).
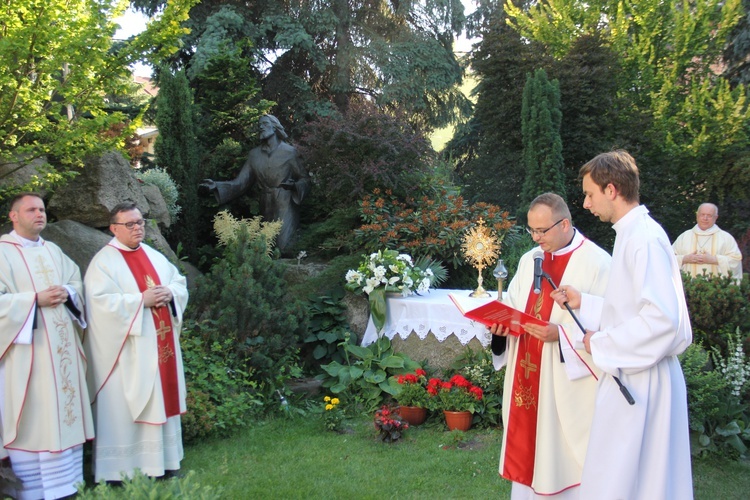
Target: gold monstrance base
point(480, 292)
point(481, 248)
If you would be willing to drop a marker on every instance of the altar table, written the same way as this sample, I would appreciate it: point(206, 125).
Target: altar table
point(430, 312)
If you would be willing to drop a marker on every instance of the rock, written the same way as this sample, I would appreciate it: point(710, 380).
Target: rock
point(310, 386)
point(104, 182)
point(21, 173)
point(155, 239)
point(158, 207)
point(299, 273)
point(357, 312)
point(439, 354)
point(78, 241)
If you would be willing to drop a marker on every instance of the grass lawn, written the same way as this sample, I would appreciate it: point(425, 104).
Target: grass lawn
point(297, 458)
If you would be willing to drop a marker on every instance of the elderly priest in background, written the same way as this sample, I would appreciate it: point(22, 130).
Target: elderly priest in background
point(136, 301)
point(707, 248)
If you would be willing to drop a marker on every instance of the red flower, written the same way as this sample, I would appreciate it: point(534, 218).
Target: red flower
point(434, 382)
point(477, 392)
point(432, 390)
point(446, 386)
point(401, 379)
point(460, 381)
point(421, 373)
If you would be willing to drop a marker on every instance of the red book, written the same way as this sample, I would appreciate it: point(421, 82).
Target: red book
point(495, 312)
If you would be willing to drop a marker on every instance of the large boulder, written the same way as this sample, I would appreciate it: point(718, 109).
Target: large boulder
point(154, 238)
point(78, 241)
point(158, 207)
point(104, 182)
point(16, 174)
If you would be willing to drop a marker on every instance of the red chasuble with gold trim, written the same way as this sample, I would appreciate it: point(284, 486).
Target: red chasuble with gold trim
point(520, 444)
point(146, 277)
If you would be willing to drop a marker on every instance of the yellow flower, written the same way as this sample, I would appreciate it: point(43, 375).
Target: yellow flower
point(329, 407)
point(327, 399)
point(335, 401)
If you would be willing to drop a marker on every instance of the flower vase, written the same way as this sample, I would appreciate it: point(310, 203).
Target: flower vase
point(415, 415)
point(460, 420)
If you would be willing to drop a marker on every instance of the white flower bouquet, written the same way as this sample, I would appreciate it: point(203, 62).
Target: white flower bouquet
point(390, 271)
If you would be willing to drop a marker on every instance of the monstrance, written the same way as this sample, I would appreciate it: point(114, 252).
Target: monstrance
point(481, 248)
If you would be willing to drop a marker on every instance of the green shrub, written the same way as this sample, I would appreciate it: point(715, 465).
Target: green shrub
point(222, 397)
point(704, 385)
point(718, 409)
point(168, 188)
point(477, 367)
point(245, 300)
point(717, 308)
point(142, 487)
point(365, 378)
point(431, 224)
point(327, 329)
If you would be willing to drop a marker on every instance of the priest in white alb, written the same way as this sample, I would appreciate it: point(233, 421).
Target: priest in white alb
point(45, 413)
point(706, 248)
point(136, 303)
point(550, 382)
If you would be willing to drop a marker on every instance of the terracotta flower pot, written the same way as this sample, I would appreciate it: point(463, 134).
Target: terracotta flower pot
point(415, 415)
point(460, 420)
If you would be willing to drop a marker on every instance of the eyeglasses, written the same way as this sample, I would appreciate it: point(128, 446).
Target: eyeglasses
point(131, 225)
point(541, 232)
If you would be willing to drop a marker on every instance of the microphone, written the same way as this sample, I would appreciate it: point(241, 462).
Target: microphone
point(538, 273)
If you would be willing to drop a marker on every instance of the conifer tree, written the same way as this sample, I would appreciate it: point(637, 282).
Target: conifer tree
point(542, 146)
point(176, 152)
point(245, 297)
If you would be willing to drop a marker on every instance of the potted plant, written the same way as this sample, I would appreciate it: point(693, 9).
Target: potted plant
point(392, 272)
point(412, 396)
point(389, 424)
point(457, 398)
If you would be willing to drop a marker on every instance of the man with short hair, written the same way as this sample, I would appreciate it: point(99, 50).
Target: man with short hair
point(706, 248)
point(550, 382)
point(45, 412)
point(640, 450)
point(136, 303)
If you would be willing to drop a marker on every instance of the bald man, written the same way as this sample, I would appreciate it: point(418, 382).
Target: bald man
point(707, 248)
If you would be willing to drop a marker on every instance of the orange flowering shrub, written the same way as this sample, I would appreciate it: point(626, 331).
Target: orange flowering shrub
point(427, 225)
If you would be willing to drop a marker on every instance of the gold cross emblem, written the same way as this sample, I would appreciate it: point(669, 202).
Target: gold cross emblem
point(165, 329)
point(527, 365)
point(44, 271)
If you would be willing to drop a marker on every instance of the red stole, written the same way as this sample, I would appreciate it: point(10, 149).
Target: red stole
point(146, 277)
point(520, 443)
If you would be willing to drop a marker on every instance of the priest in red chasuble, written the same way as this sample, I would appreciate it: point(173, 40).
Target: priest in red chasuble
point(136, 299)
point(550, 380)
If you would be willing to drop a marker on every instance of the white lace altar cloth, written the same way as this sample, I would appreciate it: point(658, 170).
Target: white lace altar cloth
point(430, 312)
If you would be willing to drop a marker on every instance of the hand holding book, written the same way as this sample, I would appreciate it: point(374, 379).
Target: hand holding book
point(495, 312)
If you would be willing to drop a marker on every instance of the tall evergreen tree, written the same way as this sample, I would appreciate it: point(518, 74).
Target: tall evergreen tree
point(686, 124)
point(542, 146)
point(313, 57)
point(737, 50)
point(176, 152)
point(488, 150)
